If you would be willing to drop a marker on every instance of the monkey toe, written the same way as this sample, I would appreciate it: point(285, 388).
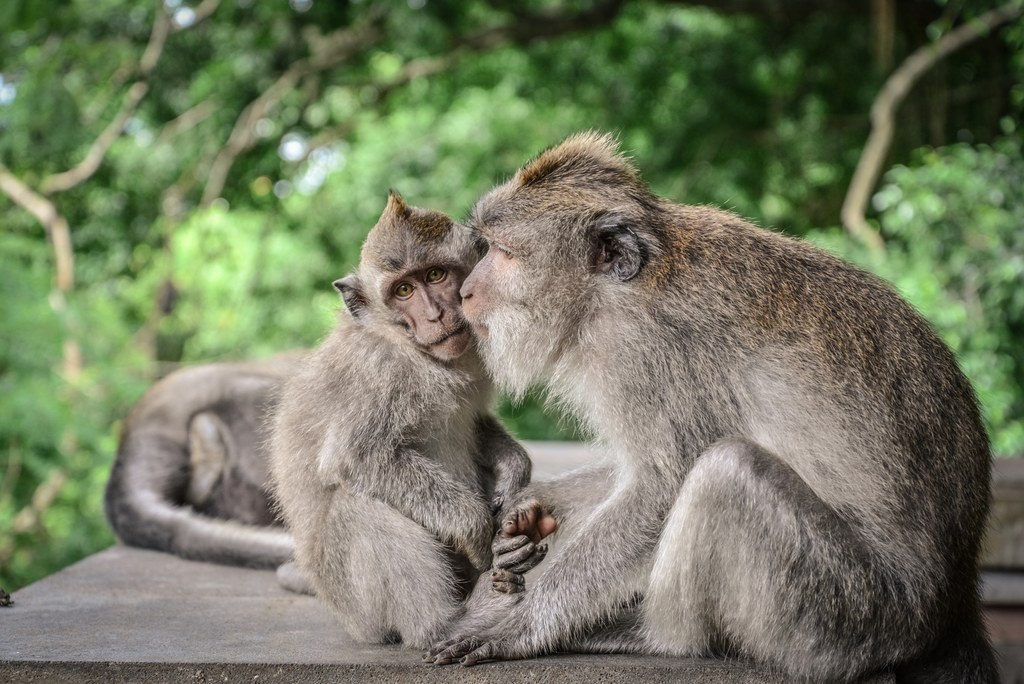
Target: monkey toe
point(485, 652)
point(459, 649)
point(506, 561)
point(507, 582)
point(503, 545)
point(522, 520)
point(508, 587)
point(436, 649)
point(530, 563)
point(546, 525)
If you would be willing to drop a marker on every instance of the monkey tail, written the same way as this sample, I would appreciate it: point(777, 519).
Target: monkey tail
point(142, 501)
point(144, 517)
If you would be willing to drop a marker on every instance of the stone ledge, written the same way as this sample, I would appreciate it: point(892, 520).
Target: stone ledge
point(130, 615)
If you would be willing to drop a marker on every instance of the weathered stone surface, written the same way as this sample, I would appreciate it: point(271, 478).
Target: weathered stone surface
point(129, 615)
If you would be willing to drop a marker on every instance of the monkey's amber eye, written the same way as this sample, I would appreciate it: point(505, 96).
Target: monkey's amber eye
point(436, 275)
point(403, 290)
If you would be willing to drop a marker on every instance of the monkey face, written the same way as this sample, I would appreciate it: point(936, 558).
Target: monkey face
point(428, 301)
point(569, 231)
point(522, 307)
point(412, 266)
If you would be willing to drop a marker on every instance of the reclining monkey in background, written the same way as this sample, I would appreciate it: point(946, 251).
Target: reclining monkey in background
point(191, 468)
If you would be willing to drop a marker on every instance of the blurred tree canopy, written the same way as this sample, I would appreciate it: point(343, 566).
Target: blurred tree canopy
point(180, 181)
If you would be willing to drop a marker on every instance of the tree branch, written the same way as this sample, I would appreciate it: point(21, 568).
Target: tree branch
point(527, 28)
point(330, 52)
point(883, 110)
point(162, 27)
point(65, 180)
point(46, 213)
point(186, 121)
point(57, 229)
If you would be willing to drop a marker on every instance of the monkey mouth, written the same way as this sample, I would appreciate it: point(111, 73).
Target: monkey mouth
point(461, 328)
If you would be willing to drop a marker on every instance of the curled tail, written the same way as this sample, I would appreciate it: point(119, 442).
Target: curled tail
point(146, 497)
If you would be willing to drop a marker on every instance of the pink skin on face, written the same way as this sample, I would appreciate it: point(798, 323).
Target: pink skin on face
point(429, 301)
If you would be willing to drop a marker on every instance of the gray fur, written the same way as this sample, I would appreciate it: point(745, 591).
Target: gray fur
point(385, 457)
point(799, 472)
point(191, 466)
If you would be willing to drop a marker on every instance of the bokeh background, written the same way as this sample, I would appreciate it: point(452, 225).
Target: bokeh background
point(180, 181)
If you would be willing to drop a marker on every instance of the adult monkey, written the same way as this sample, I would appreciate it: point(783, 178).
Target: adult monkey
point(800, 470)
point(191, 466)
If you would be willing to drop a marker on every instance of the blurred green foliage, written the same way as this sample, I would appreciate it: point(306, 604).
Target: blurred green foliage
point(954, 219)
point(762, 111)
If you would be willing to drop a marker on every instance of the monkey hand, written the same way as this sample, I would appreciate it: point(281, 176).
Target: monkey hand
point(474, 649)
point(530, 518)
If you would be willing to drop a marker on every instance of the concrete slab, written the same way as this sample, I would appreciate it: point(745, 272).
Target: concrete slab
point(130, 615)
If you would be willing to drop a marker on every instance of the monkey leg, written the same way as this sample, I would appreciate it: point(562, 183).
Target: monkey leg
point(385, 576)
point(227, 471)
point(208, 456)
point(751, 559)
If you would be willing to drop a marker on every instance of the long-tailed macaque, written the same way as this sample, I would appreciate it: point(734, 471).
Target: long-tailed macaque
point(799, 470)
point(386, 460)
point(191, 469)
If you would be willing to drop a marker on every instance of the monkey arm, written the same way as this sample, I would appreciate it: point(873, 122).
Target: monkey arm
point(425, 492)
point(511, 464)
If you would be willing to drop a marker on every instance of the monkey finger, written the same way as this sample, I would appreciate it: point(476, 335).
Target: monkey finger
point(531, 562)
point(457, 650)
point(505, 544)
point(487, 651)
point(522, 520)
point(505, 561)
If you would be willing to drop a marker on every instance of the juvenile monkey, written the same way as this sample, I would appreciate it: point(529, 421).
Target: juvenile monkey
point(191, 469)
point(799, 469)
point(386, 459)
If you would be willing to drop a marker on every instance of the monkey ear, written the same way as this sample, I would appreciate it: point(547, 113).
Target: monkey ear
point(351, 290)
point(617, 250)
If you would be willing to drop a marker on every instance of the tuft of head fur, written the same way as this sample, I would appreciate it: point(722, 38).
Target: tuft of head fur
point(589, 154)
point(403, 234)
